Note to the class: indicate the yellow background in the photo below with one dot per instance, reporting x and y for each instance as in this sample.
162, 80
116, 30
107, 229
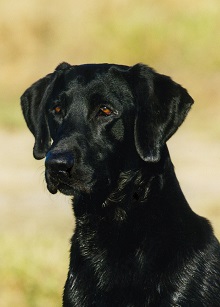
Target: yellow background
177, 38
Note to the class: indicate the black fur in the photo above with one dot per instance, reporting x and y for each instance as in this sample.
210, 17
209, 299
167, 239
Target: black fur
137, 242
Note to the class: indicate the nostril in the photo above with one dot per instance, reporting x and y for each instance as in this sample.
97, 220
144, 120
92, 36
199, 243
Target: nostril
59, 161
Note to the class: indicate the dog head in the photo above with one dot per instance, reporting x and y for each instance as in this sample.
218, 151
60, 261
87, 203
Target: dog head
94, 121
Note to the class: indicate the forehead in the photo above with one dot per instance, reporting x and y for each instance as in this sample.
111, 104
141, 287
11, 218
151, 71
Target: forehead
91, 79
88, 73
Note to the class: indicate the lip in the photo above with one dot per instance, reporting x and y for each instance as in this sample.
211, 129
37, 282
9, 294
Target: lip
52, 188
63, 188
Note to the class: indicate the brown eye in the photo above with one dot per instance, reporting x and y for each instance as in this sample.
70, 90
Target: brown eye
105, 111
57, 109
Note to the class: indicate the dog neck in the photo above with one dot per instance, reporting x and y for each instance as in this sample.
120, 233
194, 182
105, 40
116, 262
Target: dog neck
142, 186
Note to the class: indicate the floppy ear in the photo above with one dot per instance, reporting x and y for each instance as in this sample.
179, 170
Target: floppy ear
32, 104
162, 106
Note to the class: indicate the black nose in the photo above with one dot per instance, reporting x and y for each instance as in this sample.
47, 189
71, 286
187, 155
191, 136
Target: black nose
59, 161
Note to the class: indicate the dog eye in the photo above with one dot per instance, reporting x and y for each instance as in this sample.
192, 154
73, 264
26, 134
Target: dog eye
57, 109
104, 111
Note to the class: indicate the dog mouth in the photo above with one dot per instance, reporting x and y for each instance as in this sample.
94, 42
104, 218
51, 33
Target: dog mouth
65, 184
63, 188
58, 182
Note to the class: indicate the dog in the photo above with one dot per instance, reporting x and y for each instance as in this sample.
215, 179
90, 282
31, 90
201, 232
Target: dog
103, 129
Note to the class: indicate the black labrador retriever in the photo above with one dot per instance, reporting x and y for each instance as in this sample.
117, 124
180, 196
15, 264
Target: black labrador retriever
137, 242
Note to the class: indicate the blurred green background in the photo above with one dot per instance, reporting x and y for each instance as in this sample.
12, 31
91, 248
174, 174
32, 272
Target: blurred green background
177, 38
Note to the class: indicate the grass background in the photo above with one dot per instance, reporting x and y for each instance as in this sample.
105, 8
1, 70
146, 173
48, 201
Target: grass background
177, 38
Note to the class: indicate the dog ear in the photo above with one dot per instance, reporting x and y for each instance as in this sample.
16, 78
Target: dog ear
32, 104
162, 106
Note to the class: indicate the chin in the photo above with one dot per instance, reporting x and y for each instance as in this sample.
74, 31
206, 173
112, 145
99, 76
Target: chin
69, 191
